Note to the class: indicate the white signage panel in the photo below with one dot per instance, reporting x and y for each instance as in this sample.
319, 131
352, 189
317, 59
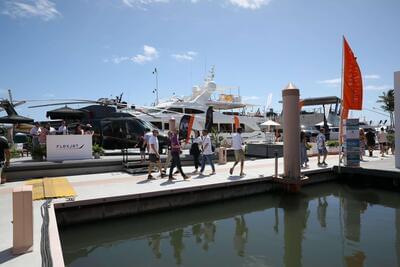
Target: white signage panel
397, 116
68, 147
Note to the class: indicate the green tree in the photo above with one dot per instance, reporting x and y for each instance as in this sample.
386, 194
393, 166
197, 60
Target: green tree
387, 103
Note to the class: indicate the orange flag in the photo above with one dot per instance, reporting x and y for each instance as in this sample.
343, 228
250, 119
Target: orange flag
352, 81
237, 122
191, 121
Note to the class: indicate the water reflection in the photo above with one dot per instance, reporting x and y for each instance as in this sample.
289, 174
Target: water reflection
240, 238
337, 220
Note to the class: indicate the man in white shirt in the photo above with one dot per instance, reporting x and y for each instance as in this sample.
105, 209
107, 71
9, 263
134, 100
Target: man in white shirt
154, 156
382, 139
147, 136
35, 132
207, 153
63, 128
237, 142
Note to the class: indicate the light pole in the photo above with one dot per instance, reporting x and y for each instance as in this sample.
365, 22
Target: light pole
156, 89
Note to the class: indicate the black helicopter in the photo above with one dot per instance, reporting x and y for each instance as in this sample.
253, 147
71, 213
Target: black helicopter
8, 105
113, 129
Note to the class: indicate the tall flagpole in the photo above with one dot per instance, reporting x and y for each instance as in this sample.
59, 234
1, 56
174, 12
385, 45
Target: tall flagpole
341, 109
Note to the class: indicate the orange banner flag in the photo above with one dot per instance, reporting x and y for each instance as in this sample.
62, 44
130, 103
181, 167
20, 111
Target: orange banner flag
352, 80
191, 121
237, 122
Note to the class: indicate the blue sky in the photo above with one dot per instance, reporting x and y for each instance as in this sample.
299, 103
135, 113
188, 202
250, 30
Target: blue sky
91, 49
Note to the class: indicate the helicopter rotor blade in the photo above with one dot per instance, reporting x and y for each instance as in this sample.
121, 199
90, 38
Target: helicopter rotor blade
63, 103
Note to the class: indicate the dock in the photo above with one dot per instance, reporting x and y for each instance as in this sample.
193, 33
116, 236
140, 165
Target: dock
114, 194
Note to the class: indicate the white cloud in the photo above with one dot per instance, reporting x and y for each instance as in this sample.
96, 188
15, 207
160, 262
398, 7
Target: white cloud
138, 3
190, 55
372, 77
330, 82
44, 9
248, 98
250, 4
118, 60
149, 54
378, 87
246, 4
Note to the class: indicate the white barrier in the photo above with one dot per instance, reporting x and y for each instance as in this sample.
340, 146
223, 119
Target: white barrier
68, 147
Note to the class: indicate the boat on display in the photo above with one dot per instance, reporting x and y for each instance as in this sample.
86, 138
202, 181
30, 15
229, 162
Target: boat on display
227, 108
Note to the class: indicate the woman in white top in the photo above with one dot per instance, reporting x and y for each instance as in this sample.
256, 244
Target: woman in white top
207, 153
382, 139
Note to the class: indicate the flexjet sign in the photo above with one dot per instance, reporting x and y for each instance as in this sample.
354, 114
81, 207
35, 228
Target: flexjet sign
69, 147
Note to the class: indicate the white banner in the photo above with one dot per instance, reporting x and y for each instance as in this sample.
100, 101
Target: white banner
68, 147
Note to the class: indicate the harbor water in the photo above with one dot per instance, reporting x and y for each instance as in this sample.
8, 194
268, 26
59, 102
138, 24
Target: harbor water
324, 225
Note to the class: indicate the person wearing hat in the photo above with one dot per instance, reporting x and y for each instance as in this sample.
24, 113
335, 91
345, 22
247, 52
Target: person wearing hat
89, 129
4, 154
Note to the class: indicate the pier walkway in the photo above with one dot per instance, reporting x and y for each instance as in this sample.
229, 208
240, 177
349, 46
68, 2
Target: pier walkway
104, 186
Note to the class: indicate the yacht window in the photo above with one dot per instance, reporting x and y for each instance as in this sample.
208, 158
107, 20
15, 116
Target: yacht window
193, 111
225, 127
166, 126
179, 110
158, 124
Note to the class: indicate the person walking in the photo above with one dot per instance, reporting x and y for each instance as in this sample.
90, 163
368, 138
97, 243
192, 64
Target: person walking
175, 153
370, 136
321, 145
382, 139
195, 151
237, 142
142, 148
154, 156
208, 153
362, 144
5, 154
303, 150
169, 155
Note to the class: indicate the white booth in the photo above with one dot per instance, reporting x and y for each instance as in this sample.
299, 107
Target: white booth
68, 147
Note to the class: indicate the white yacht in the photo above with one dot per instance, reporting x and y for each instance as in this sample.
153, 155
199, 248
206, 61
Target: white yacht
225, 105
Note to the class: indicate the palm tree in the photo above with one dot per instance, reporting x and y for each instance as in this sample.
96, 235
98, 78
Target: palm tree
387, 100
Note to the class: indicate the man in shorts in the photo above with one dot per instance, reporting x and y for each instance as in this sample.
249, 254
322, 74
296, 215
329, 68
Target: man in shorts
237, 142
154, 156
322, 151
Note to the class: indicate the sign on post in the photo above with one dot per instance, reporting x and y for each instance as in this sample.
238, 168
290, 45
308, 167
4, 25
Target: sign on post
351, 154
68, 147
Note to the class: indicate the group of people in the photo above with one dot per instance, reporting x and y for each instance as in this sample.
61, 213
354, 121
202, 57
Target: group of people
368, 140
202, 151
39, 132
321, 147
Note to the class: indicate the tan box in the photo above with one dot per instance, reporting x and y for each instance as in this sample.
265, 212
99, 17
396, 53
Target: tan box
22, 220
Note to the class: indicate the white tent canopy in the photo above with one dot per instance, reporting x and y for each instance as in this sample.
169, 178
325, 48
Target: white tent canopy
322, 124
270, 123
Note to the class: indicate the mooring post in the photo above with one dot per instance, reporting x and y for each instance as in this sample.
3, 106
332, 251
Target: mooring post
397, 117
22, 219
291, 136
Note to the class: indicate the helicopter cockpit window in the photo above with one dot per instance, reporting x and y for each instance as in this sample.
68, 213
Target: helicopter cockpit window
107, 128
133, 127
